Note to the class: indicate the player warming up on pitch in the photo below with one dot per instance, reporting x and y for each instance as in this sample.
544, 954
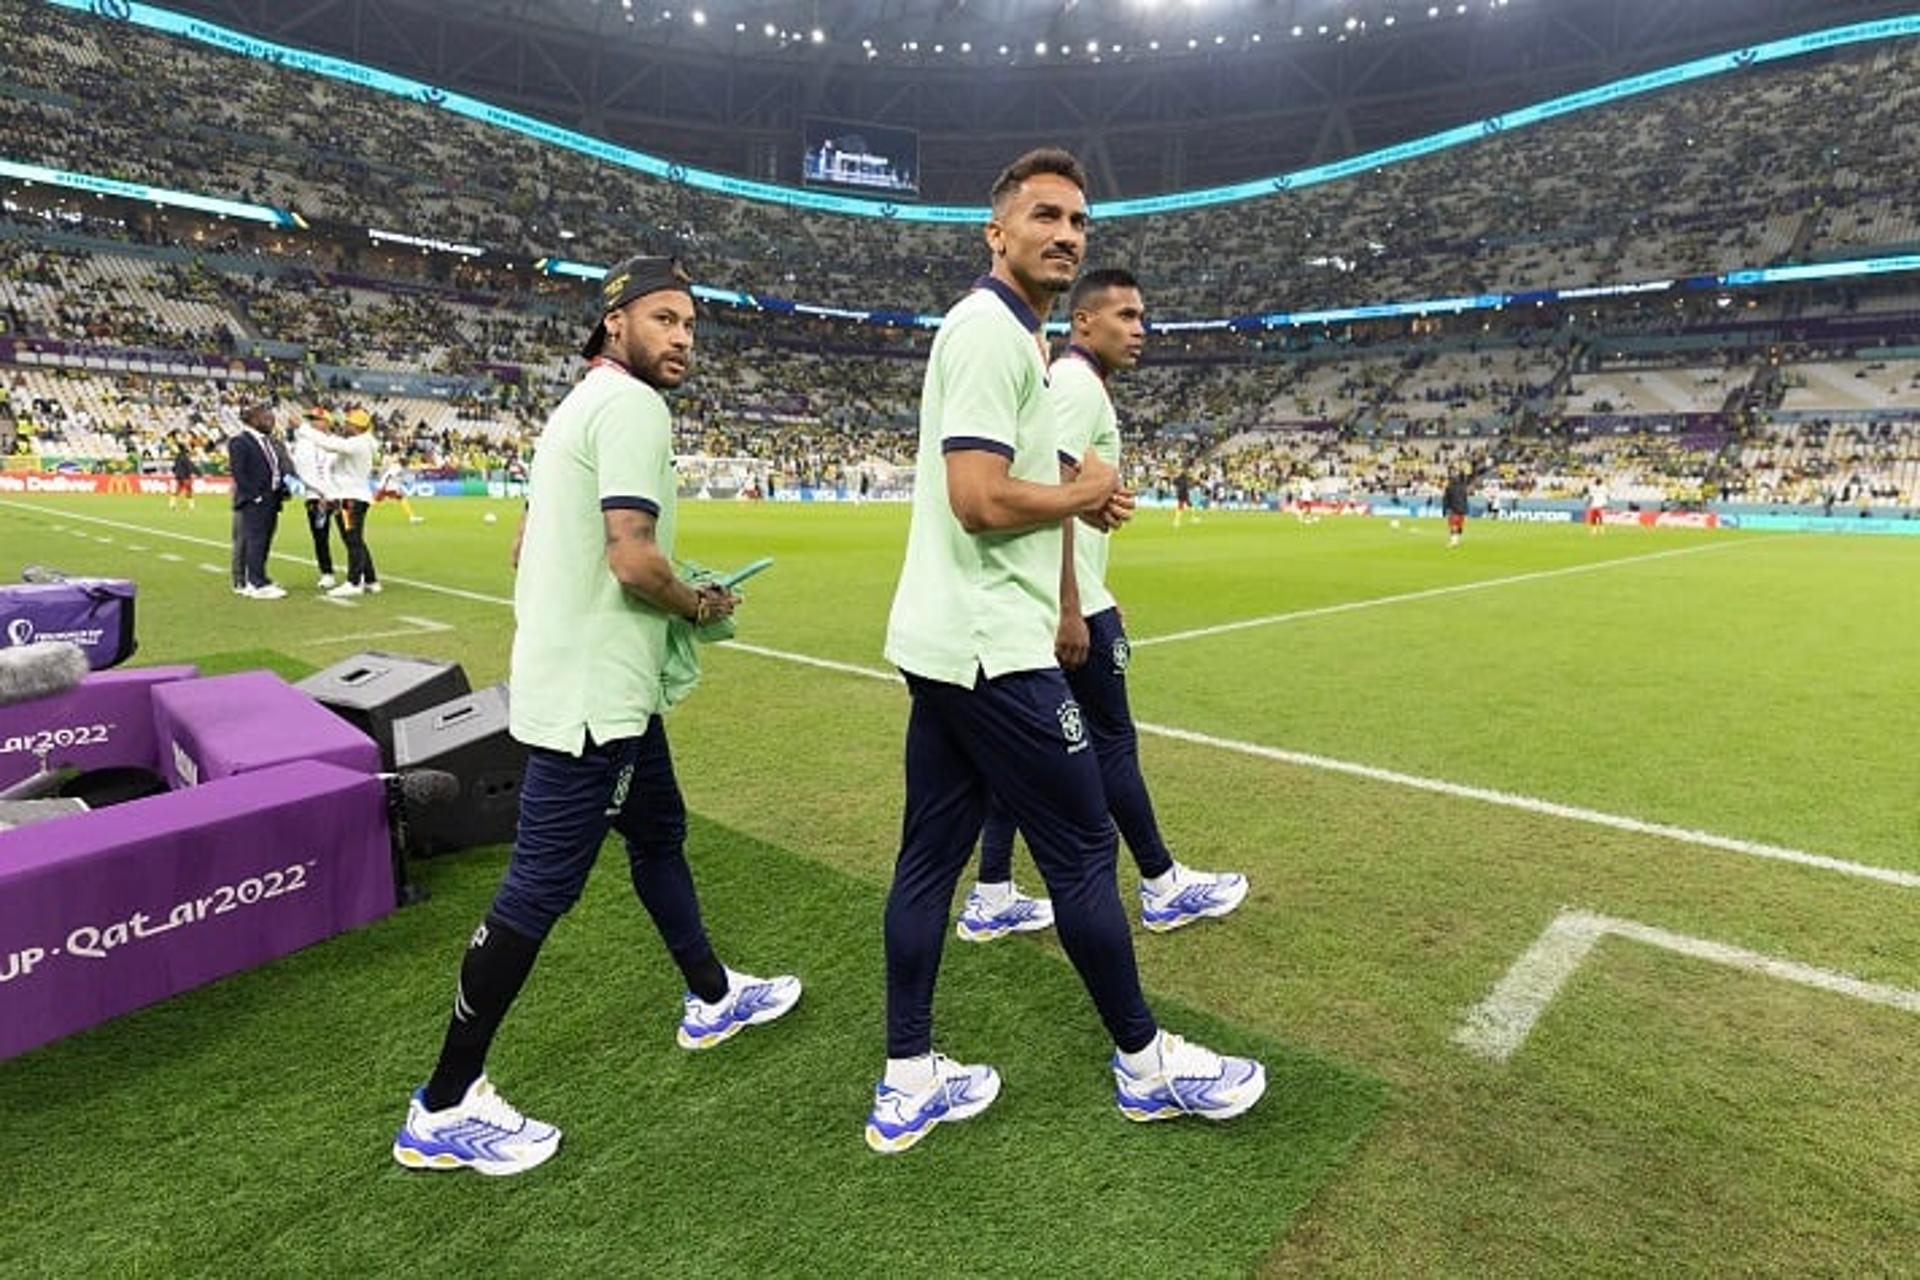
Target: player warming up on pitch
1108, 325
972, 630
593, 600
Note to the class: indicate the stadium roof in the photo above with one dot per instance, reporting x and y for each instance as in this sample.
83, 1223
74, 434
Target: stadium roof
1156, 95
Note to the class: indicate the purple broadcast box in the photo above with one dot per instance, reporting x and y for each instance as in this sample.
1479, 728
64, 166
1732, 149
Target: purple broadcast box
226, 725
106, 912
94, 613
107, 721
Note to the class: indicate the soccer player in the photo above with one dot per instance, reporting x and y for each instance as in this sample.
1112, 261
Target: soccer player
392, 487
594, 597
1183, 498
1454, 504
184, 470
972, 630
1596, 507
1108, 318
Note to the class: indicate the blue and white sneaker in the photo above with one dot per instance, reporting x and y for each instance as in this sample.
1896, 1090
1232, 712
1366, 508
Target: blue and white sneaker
958, 1092
987, 918
1190, 895
1191, 1081
481, 1132
749, 1002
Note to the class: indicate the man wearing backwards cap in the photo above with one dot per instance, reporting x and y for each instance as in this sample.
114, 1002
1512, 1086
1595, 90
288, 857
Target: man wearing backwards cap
592, 602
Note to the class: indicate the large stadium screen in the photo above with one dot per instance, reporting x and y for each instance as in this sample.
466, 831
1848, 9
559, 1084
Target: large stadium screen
866, 157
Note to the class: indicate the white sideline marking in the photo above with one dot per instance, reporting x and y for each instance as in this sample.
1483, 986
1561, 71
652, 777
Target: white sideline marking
1549, 808
1406, 597
135, 546
339, 604
1458, 791
418, 627
1497, 1026
103, 538
1483, 795
168, 555
435, 587
212, 568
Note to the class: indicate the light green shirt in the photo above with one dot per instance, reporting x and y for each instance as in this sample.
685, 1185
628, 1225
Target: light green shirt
1084, 413
587, 655
970, 602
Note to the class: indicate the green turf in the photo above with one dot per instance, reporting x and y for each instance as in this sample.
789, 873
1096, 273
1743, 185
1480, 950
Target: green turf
1667, 1116
243, 1130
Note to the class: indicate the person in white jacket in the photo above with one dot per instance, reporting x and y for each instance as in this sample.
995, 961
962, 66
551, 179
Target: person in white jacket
351, 475
314, 467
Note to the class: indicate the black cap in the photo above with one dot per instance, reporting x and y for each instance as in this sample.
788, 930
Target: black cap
635, 278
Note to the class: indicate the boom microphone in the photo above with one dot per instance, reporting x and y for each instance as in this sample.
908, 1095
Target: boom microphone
40, 670
40, 573
407, 791
421, 788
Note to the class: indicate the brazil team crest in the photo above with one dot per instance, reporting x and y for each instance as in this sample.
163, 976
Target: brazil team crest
1071, 726
1122, 655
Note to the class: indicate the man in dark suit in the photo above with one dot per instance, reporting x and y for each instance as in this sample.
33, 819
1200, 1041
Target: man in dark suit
259, 466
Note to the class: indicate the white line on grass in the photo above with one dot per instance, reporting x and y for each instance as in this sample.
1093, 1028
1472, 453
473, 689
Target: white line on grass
1483, 795
338, 604
1431, 593
168, 555
204, 567
480, 596
1497, 1026
419, 627
1549, 808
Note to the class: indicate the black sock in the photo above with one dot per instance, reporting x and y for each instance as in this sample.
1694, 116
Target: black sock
706, 976
496, 965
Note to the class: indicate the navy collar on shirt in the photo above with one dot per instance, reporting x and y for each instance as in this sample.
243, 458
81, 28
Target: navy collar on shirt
1015, 303
1099, 365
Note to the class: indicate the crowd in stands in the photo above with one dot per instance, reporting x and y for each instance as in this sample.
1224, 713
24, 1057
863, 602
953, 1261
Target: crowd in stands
1533, 405
1699, 178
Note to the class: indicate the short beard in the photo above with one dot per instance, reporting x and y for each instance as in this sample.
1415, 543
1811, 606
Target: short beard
648, 371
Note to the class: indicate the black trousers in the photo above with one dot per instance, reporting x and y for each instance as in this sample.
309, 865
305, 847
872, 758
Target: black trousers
352, 515
258, 520
319, 522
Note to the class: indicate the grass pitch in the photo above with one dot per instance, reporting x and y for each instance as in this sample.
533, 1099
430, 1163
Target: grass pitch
1666, 1115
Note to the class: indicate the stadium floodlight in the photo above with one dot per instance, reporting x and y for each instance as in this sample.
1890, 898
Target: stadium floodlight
1388, 20
1040, 47
769, 30
699, 17
966, 46
1352, 23
739, 26
1154, 45
1219, 39
1256, 37
818, 36
1093, 46
1192, 43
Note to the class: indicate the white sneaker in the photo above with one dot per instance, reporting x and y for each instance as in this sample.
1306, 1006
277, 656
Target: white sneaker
481, 1132
325, 583
749, 1002
373, 588
958, 1092
1190, 895
985, 918
344, 590
272, 591
416, 519
1191, 1080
